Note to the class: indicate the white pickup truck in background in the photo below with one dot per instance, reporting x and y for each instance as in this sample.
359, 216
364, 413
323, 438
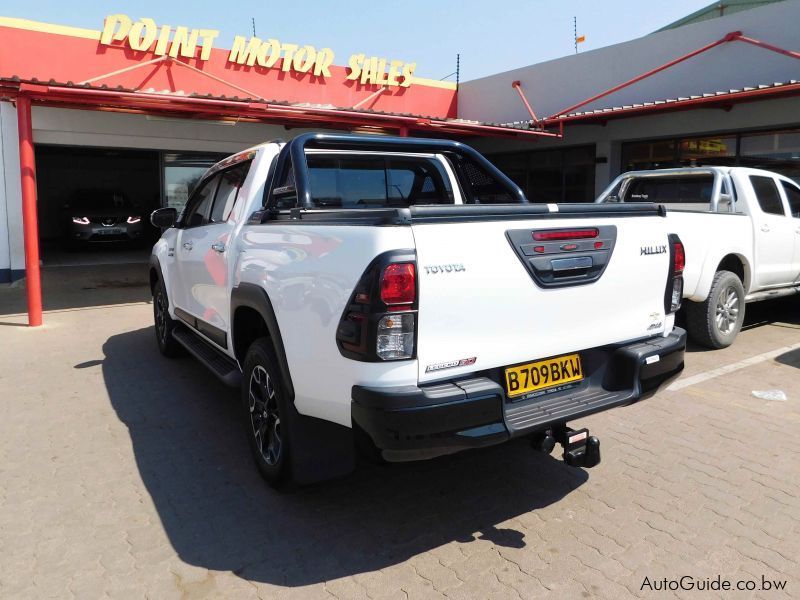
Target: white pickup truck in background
401, 295
741, 231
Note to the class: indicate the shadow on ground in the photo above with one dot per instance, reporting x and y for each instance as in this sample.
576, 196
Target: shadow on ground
791, 358
218, 514
76, 287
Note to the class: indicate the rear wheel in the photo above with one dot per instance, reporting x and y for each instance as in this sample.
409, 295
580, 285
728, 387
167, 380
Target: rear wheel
164, 324
716, 322
265, 412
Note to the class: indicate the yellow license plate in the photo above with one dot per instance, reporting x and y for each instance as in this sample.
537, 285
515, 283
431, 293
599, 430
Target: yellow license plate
542, 374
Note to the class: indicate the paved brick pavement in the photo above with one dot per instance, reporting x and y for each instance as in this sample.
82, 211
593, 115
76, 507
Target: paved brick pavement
125, 475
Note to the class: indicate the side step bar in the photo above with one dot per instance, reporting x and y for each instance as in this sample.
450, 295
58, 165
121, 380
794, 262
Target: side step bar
222, 366
770, 294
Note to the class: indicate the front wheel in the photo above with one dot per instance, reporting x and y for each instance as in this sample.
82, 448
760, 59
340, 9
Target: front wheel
164, 324
265, 411
716, 322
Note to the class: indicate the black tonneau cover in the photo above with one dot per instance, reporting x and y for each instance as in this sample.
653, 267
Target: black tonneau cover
456, 213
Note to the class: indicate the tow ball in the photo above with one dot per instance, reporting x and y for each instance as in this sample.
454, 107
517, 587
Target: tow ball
580, 448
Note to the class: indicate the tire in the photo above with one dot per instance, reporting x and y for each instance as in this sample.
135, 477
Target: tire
265, 412
715, 322
164, 324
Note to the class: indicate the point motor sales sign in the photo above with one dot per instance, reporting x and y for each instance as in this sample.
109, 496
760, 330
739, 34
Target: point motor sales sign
165, 40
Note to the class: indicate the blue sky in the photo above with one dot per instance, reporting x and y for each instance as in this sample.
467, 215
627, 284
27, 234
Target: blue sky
491, 35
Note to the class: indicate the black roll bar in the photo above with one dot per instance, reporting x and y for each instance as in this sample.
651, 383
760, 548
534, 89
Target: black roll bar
295, 150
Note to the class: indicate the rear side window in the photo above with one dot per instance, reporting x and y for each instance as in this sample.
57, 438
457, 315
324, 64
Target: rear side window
696, 189
767, 194
341, 181
230, 183
481, 186
793, 196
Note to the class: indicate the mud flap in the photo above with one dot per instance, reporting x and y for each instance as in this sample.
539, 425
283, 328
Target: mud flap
320, 450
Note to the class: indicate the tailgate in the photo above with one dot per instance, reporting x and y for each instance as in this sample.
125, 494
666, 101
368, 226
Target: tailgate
490, 295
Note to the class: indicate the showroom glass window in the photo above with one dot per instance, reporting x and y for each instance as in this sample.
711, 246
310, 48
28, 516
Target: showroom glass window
562, 175
777, 151
182, 172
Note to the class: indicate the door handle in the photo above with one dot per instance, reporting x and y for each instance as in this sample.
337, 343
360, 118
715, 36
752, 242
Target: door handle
188, 245
218, 246
765, 228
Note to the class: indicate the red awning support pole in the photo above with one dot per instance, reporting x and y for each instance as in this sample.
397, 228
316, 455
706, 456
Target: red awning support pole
30, 228
734, 35
373, 96
518, 86
767, 46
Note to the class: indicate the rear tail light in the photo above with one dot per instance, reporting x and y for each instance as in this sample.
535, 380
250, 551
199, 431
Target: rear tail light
399, 284
379, 323
674, 293
678, 258
565, 234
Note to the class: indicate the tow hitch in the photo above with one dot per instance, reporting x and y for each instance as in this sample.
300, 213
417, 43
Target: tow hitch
580, 448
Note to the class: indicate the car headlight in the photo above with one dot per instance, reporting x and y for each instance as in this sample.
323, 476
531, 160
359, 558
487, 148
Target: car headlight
80, 220
133, 220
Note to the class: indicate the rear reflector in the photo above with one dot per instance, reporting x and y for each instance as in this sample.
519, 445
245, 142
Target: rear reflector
399, 284
572, 234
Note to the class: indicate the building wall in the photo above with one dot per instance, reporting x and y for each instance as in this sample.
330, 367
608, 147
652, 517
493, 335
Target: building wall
770, 114
104, 129
12, 257
557, 84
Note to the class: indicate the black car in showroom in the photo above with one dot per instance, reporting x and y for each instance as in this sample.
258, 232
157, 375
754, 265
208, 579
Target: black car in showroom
96, 215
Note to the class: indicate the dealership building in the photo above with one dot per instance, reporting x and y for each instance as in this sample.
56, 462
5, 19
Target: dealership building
135, 111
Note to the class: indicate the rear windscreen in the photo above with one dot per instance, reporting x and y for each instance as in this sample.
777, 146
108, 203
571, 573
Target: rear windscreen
677, 190
365, 181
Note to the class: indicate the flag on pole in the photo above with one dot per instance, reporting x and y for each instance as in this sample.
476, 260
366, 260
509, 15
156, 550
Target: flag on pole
580, 39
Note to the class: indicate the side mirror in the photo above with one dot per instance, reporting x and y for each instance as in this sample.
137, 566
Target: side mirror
164, 217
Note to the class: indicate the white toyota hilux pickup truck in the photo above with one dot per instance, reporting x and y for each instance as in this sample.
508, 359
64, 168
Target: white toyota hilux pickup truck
741, 231
402, 297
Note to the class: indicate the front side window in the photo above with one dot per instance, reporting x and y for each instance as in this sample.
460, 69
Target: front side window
767, 194
793, 196
230, 183
196, 211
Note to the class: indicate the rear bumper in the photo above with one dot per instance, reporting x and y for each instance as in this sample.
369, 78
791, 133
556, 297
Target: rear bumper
411, 422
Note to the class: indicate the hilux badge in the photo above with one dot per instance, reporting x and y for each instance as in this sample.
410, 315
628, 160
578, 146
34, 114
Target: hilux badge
654, 249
